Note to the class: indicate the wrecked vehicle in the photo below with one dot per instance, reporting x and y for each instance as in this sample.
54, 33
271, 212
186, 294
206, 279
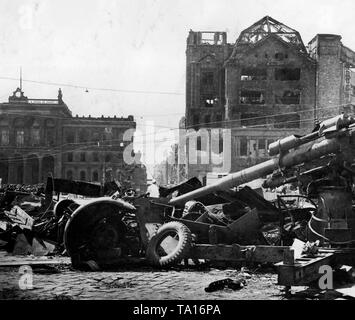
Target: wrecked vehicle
246, 227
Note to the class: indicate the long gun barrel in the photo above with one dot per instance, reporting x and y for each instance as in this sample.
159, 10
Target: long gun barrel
312, 150
290, 142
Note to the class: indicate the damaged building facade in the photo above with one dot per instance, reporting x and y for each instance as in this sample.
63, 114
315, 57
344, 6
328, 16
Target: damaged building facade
41, 137
266, 85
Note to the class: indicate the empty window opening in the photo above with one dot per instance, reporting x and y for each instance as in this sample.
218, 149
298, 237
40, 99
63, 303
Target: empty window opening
216, 38
286, 121
218, 118
207, 78
262, 150
252, 148
288, 97
249, 74
243, 147
70, 157
252, 97
209, 101
288, 74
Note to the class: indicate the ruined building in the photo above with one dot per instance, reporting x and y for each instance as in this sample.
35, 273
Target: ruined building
40, 137
266, 85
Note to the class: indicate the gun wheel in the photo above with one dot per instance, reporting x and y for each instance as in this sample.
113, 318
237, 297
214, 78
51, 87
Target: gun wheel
169, 245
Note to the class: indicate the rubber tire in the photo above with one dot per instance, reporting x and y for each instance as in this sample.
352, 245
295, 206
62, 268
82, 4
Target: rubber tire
181, 250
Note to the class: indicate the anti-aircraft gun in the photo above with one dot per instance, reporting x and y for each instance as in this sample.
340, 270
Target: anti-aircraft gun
321, 163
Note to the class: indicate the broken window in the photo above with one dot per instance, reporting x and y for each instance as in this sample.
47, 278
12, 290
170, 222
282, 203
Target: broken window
288, 97
82, 157
262, 150
249, 74
252, 148
209, 101
243, 151
70, 157
211, 38
5, 137
207, 78
285, 121
251, 97
287, 74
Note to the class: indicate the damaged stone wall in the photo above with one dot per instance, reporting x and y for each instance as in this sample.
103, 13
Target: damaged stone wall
270, 94
333, 74
266, 86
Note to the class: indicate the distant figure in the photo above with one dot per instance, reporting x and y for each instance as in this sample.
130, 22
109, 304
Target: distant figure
153, 190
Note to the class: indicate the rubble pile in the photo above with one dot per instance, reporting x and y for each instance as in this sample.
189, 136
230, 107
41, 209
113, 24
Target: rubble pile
27, 224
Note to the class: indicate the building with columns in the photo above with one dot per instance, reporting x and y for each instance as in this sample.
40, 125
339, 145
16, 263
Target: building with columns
41, 137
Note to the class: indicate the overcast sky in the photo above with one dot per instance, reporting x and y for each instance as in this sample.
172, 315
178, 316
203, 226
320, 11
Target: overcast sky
135, 45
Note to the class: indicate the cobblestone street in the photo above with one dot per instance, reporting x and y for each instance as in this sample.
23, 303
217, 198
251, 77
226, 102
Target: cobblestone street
141, 283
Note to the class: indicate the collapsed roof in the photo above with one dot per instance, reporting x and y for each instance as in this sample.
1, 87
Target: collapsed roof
266, 27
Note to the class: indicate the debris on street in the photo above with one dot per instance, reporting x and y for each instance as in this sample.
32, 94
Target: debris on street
227, 223
236, 284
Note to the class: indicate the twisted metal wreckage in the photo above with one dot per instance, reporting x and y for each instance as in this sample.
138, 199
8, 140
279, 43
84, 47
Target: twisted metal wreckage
222, 222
